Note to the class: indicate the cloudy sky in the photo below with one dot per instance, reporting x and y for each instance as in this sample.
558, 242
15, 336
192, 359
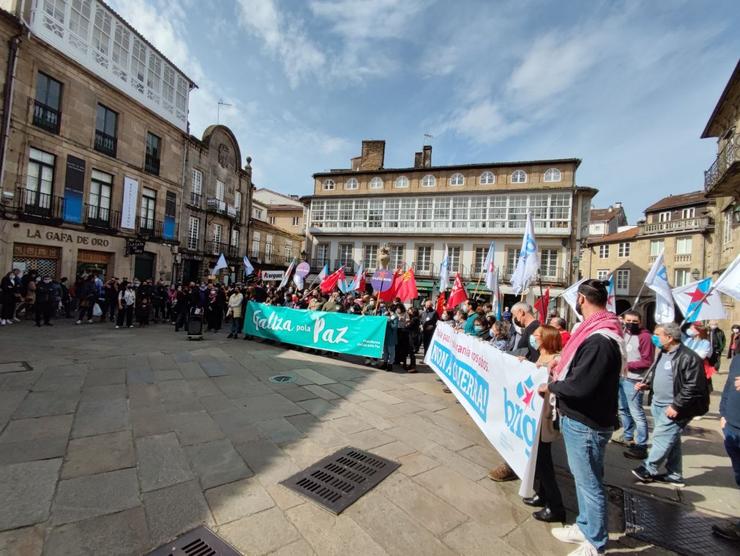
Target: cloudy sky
625, 86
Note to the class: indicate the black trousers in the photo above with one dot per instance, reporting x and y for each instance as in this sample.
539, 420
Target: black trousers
8, 308
182, 320
546, 485
427, 337
127, 313
43, 311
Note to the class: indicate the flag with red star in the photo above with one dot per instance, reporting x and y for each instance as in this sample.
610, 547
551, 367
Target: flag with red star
699, 301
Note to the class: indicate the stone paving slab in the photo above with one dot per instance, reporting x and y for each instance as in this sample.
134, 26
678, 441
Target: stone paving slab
239, 499
216, 463
173, 510
161, 462
98, 454
26, 491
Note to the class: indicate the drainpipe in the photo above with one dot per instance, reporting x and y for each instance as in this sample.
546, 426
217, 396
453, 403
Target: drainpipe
8, 91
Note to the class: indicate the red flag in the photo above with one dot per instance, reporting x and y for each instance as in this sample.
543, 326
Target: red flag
458, 293
407, 286
330, 282
542, 304
440, 304
390, 294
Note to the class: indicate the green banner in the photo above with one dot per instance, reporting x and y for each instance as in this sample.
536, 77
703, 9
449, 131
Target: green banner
339, 332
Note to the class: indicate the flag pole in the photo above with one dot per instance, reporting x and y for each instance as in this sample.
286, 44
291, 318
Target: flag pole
542, 295
639, 293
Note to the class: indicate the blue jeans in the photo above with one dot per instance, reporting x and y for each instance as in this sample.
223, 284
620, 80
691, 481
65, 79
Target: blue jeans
666, 448
631, 413
389, 353
236, 325
732, 445
586, 447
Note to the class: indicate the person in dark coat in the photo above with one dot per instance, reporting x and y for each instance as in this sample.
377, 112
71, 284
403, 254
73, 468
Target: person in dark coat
181, 307
429, 319
8, 298
44, 301
87, 295
414, 331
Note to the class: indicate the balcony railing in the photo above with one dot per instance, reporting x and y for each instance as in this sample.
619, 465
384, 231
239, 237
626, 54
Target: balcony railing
105, 143
273, 258
725, 165
195, 200
217, 247
151, 164
219, 206
676, 226
683, 258
155, 230
46, 117
33, 204
101, 218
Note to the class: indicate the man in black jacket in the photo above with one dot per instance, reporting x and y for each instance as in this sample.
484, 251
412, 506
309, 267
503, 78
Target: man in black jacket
680, 392
428, 323
44, 301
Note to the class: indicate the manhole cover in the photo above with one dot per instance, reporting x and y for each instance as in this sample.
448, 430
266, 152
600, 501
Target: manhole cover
15, 367
339, 480
201, 541
282, 379
671, 526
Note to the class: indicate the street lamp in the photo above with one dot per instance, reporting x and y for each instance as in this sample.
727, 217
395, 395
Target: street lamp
695, 274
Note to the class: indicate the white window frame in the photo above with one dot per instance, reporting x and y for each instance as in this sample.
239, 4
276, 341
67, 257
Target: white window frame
296, 221
351, 184
256, 238
682, 243
685, 277
456, 179
376, 183
487, 178
235, 238
519, 176
549, 263
552, 175
428, 181
622, 281
329, 185
193, 232
401, 182
624, 249
604, 251
218, 233
664, 216
602, 274
689, 212
727, 226
220, 190
196, 182
657, 246
424, 258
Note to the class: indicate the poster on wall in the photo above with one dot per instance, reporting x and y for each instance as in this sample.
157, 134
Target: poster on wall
130, 196
74, 187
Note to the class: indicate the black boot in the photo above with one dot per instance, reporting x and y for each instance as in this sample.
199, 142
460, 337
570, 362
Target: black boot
549, 516
535, 501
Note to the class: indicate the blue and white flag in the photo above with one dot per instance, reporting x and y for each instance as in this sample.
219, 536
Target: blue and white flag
570, 296
324, 273
490, 269
611, 301
221, 263
699, 301
286, 277
529, 261
248, 268
444, 271
729, 281
657, 280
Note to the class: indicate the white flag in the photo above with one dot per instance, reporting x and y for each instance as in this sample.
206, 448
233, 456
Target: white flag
529, 261
286, 276
248, 268
298, 281
611, 301
699, 301
444, 271
490, 269
571, 295
729, 282
657, 280
221, 263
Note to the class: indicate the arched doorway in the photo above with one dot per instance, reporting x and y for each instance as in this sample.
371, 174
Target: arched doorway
650, 315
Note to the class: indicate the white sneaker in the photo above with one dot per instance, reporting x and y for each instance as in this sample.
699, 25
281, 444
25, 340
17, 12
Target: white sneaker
79, 322
16, 319
117, 327
586, 549
569, 533
9, 322
89, 321
131, 326
2, 322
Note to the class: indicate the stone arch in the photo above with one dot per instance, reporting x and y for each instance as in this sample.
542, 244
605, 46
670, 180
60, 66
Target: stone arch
209, 133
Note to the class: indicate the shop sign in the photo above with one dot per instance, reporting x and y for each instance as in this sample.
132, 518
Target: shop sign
135, 246
64, 237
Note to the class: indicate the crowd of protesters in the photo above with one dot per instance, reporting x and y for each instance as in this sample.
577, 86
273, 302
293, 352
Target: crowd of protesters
599, 370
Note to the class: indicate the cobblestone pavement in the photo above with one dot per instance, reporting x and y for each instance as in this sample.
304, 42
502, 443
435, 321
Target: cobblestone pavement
115, 441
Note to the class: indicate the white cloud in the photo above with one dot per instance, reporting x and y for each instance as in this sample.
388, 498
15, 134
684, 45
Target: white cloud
369, 20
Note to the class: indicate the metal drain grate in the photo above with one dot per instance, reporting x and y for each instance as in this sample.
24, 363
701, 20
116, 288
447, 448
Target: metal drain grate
282, 379
339, 480
673, 527
201, 541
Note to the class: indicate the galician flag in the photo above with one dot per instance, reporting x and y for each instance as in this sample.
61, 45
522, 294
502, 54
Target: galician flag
286, 277
358, 282
248, 268
699, 301
571, 295
324, 273
490, 279
611, 301
444, 271
221, 263
657, 280
529, 262
729, 282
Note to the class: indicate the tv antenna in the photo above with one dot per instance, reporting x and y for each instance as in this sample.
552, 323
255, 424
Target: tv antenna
218, 112
428, 138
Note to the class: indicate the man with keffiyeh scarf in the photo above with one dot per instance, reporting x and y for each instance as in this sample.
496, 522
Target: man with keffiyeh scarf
585, 384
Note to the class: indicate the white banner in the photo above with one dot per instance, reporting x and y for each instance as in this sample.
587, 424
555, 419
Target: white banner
130, 199
498, 391
272, 275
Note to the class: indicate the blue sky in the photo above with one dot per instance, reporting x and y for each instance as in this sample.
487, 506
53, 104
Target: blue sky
625, 86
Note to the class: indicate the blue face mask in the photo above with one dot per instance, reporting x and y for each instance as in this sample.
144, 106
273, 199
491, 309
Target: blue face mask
656, 341
533, 343
478, 328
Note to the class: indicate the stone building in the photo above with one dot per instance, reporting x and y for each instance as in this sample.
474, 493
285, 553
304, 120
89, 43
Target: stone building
418, 210
94, 127
682, 226
722, 181
284, 211
271, 247
606, 221
215, 213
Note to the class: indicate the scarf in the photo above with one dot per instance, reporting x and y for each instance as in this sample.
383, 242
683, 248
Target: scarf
602, 322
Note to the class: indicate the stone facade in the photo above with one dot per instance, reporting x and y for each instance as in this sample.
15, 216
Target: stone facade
283, 211
271, 247
418, 211
216, 204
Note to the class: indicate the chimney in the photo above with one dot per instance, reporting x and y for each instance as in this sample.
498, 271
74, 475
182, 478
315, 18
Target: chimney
618, 205
427, 156
356, 163
373, 155
418, 160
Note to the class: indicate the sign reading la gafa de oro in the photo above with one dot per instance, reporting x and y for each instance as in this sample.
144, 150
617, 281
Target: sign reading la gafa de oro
65, 237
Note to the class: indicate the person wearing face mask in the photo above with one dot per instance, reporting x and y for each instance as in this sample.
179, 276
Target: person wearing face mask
734, 345
44, 301
640, 353
471, 314
697, 339
499, 334
10, 292
479, 329
391, 339
585, 382
680, 393
428, 323
717, 344
523, 318
126, 303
